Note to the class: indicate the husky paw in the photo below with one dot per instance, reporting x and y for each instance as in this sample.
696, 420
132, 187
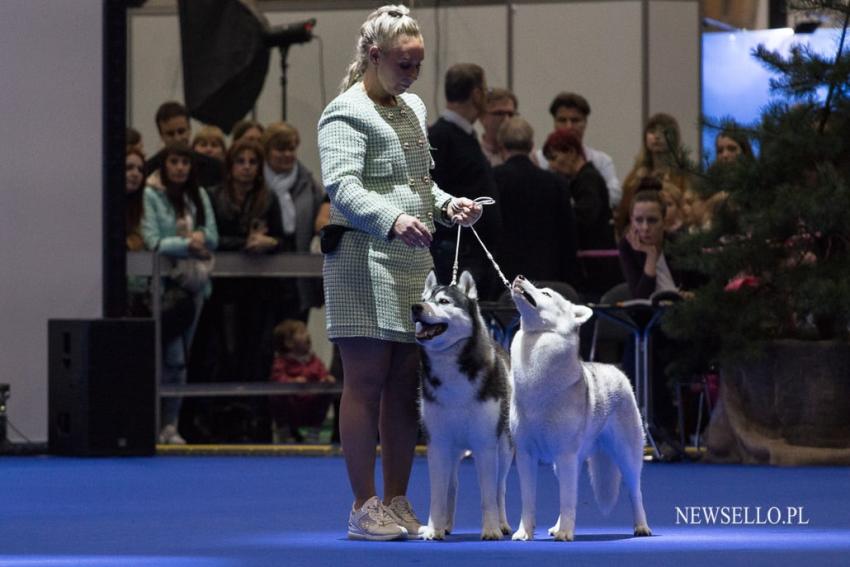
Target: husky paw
642, 531
554, 529
490, 534
563, 535
505, 527
429, 533
522, 535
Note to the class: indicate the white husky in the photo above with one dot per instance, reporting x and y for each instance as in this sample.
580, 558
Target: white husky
465, 401
564, 411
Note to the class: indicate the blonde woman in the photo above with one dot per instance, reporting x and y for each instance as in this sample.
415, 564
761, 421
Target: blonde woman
375, 165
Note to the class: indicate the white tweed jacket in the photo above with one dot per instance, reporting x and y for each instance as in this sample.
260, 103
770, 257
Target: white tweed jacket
365, 169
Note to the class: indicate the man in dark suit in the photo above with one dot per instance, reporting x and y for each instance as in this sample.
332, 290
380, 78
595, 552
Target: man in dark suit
539, 237
172, 121
462, 169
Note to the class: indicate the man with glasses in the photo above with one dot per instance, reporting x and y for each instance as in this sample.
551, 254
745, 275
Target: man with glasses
501, 105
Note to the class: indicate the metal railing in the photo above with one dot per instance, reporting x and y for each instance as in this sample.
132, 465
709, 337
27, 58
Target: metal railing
237, 264
284, 265
227, 265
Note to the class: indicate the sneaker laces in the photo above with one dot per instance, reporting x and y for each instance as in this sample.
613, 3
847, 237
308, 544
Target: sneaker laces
378, 512
401, 507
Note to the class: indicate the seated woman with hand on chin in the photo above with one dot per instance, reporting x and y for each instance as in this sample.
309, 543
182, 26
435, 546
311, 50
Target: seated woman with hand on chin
642, 258
647, 271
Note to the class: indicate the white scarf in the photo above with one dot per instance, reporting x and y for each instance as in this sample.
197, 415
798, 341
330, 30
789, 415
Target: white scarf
282, 184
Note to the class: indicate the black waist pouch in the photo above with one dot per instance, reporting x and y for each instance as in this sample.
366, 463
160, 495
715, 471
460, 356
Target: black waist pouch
330, 236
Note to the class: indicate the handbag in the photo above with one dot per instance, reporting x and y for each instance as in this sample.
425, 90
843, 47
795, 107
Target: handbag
192, 274
186, 278
330, 236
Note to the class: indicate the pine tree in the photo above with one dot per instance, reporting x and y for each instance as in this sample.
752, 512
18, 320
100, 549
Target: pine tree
782, 231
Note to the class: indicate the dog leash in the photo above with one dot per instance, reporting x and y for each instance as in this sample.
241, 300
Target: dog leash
481, 201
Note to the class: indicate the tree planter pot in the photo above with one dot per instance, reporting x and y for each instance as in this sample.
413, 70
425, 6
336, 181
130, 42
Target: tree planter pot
788, 407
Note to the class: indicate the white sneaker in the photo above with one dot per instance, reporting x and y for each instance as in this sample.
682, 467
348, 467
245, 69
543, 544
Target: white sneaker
402, 512
170, 436
372, 522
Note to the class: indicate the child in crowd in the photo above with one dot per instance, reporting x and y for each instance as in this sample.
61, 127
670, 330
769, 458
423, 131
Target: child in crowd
210, 141
296, 363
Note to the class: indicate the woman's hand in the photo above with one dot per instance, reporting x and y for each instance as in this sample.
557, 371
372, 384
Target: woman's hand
463, 211
197, 245
258, 242
652, 250
412, 231
198, 251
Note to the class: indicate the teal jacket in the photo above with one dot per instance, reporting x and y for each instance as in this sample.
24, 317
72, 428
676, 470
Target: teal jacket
159, 226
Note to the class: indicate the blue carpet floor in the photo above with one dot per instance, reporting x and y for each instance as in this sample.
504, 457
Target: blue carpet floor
227, 511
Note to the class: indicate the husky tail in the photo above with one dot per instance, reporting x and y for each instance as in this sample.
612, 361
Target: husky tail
605, 478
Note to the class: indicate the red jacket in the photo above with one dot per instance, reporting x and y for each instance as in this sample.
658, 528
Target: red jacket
286, 369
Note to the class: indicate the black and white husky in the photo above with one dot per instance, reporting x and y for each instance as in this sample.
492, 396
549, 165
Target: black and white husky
465, 404
565, 411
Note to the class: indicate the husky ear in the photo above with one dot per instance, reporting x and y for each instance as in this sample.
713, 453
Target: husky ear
582, 314
430, 284
467, 285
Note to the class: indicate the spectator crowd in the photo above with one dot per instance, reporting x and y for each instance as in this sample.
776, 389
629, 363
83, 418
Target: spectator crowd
561, 214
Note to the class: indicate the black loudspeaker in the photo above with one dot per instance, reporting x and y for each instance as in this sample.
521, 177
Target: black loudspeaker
101, 388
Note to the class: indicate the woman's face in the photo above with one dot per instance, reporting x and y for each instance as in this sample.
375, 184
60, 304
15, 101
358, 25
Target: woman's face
246, 167
673, 213
210, 148
177, 169
564, 162
728, 150
398, 65
282, 159
252, 134
134, 172
655, 141
647, 222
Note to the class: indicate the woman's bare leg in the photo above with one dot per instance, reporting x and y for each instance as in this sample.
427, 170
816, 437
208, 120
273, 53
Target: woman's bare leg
366, 363
399, 423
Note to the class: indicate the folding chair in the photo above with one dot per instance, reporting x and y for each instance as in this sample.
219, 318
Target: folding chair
607, 331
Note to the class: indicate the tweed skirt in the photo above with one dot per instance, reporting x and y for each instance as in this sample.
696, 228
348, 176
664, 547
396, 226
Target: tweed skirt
370, 285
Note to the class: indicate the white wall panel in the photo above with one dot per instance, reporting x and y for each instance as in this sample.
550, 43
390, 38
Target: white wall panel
155, 72
674, 65
50, 188
592, 48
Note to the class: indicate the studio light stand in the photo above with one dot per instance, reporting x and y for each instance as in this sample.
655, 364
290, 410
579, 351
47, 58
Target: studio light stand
283, 38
